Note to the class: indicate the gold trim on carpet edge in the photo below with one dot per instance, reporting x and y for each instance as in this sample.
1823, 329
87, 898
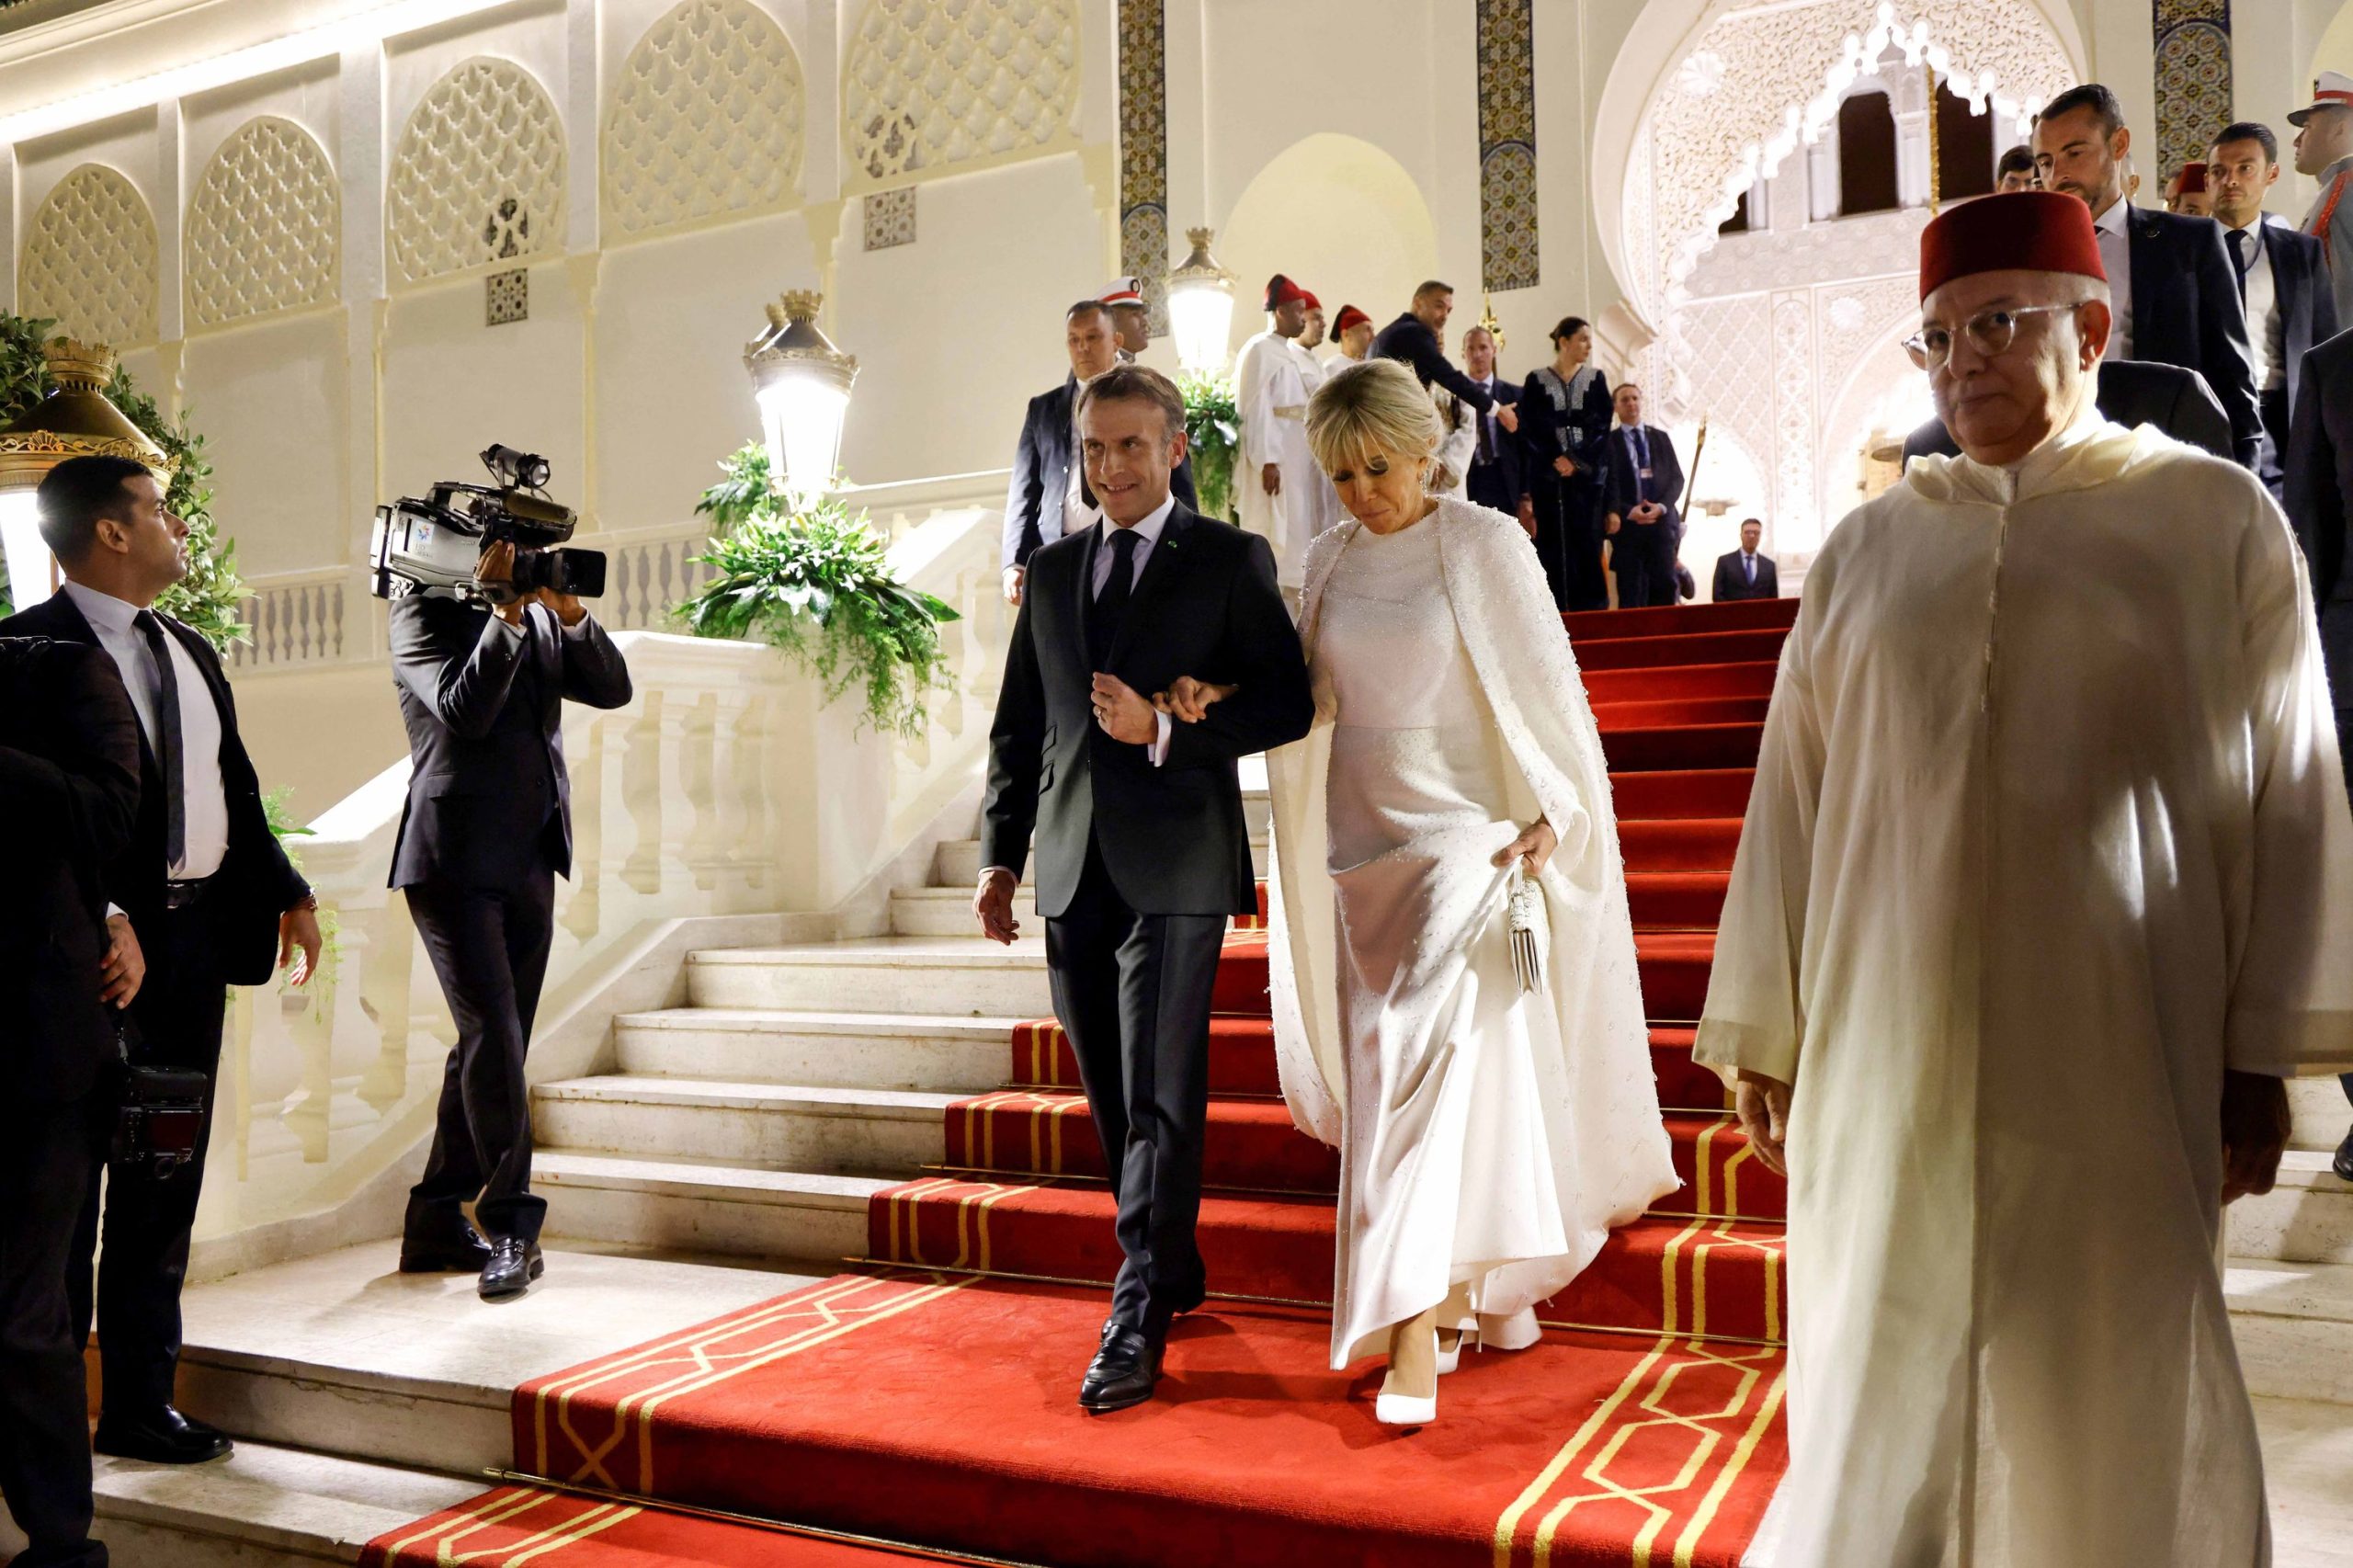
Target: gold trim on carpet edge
1619, 1329
725, 1516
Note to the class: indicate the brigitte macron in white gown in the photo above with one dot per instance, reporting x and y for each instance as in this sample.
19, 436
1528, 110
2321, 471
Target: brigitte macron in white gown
1490, 1136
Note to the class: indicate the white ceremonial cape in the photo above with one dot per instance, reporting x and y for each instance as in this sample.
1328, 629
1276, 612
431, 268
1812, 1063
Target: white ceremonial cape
2048, 830
1266, 378
1618, 1160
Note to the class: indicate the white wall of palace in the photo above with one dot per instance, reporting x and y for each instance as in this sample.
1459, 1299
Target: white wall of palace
286, 214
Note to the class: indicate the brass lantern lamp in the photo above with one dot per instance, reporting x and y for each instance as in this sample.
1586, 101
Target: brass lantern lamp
1200, 307
802, 383
75, 421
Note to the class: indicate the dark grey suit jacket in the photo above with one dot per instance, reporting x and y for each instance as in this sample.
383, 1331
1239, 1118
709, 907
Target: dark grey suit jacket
2175, 401
255, 884
2320, 499
69, 782
2307, 308
1172, 837
2187, 311
1042, 460
488, 795
1732, 583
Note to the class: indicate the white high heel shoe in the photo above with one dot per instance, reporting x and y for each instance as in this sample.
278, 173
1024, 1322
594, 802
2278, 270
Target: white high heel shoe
1448, 1361
1407, 1410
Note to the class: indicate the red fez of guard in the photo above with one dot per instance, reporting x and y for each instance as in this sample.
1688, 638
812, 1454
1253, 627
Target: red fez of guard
2025, 231
2193, 178
1312, 303
1281, 291
1350, 316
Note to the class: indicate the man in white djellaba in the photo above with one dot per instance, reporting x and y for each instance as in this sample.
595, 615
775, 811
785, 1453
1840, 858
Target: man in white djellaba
1274, 474
1321, 496
2046, 882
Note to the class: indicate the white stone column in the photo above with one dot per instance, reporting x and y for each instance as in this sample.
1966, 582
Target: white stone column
1912, 158
1822, 176
1189, 193
10, 188
170, 297
360, 157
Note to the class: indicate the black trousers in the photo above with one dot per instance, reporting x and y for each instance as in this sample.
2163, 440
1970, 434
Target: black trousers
1568, 540
142, 1250
1484, 486
2270, 449
489, 946
1642, 556
1134, 991
49, 1159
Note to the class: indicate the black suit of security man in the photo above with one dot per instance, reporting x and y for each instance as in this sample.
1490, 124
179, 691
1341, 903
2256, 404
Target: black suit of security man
2307, 312
199, 940
2131, 391
68, 780
1733, 582
2187, 311
486, 831
1643, 554
1140, 867
1039, 492
1497, 477
2320, 504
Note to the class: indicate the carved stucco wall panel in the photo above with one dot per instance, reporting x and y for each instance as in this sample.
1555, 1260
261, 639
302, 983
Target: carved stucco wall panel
930, 84
264, 225
1795, 504
477, 175
707, 121
90, 259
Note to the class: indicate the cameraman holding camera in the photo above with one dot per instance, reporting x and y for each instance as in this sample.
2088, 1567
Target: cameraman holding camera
202, 899
487, 829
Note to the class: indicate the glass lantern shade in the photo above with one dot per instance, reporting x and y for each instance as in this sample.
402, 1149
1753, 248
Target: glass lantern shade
31, 570
1200, 308
802, 384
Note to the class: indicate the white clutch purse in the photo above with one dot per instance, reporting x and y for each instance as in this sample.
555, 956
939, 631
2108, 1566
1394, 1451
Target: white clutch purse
1531, 931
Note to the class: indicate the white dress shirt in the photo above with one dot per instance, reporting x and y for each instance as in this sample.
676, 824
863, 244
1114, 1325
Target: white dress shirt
204, 799
2268, 333
2116, 258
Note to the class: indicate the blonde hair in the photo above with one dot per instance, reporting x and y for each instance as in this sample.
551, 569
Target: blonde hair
1375, 406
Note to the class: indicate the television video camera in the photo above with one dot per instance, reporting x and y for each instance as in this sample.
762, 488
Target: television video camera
434, 545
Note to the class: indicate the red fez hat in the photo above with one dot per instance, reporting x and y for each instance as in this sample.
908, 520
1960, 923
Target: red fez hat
1312, 303
1350, 316
2025, 231
1281, 291
2193, 178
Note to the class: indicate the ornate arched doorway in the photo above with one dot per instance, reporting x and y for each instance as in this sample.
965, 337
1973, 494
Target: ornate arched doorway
1776, 334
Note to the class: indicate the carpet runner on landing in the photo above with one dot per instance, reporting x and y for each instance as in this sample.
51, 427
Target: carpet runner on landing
928, 1397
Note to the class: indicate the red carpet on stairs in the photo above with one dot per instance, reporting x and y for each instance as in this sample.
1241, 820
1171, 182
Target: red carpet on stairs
928, 1396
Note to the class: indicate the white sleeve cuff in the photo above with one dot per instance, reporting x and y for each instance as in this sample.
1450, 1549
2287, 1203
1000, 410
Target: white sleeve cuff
578, 630
1159, 747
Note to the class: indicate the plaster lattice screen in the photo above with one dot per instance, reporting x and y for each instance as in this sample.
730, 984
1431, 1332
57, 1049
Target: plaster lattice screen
90, 262
934, 84
264, 225
477, 175
707, 121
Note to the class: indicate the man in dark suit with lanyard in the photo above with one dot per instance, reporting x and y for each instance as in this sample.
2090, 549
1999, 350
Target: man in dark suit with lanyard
1143, 854
203, 899
1642, 500
486, 831
2282, 277
1048, 496
1494, 478
69, 784
2177, 298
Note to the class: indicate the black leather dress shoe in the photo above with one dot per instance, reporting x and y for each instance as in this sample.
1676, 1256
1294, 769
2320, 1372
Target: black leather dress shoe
160, 1437
1123, 1370
2343, 1164
514, 1264
459, 1252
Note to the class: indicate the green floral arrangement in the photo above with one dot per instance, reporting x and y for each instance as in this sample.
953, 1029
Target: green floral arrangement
815, 581
207, 596
1214, 425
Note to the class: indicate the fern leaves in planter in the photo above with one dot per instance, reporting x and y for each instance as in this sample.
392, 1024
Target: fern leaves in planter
817, 584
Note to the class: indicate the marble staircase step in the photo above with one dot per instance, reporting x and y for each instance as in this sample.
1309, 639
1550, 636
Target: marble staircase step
883, 975
879, 1051
343, 1354
2321, 1111
2293, 1322
264, 1506
704, 1206
845, 1131
2307, 1218
957, 863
